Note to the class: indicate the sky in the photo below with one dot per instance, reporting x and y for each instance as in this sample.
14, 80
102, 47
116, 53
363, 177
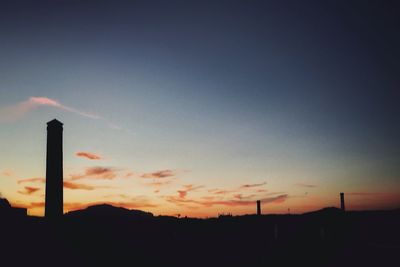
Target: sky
200, 108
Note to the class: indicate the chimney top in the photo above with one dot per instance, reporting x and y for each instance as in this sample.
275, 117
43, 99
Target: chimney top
55, 122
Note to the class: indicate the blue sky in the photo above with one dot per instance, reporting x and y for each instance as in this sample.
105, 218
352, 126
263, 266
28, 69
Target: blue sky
222, 93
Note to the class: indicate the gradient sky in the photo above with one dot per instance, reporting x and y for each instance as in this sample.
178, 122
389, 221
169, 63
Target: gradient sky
199, 108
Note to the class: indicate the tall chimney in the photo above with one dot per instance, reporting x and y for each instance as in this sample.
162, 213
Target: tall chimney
342, 202
54, 170
258, 207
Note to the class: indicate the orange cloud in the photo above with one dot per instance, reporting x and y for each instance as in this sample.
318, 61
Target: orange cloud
187, 188
97, 173
159, 174
158, 183
182, 193
223, 192
32, 205
129, 174
32, 180
88, 155
29, 190
72, 185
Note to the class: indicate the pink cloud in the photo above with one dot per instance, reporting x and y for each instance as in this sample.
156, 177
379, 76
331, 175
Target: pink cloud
44, 101
19, 110
96, 173
88, 155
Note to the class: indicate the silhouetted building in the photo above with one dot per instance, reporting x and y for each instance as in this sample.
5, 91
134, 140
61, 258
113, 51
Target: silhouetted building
258, 207
7, 211
54, 170
342, 202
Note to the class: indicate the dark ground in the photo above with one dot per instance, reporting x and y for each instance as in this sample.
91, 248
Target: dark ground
108, 236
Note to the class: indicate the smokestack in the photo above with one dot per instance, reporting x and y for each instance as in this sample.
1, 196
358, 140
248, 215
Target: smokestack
54, 170
342, 202
258, 207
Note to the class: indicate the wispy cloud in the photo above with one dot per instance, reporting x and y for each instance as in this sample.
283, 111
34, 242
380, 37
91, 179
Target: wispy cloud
8, 173
253, 185
241, 188
187, 188
96, 173
230, 202
32, 180
74, 186
306, 185
241, 196
129, 174
28, 190
158, 183
88, 155
19, 110
44, 101
159, 174
67, 184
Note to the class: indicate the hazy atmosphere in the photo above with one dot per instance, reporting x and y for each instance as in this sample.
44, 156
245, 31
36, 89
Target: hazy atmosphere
196, 108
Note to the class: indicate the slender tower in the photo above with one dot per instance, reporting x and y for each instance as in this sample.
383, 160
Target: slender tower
342, 207
258, 207
54, 170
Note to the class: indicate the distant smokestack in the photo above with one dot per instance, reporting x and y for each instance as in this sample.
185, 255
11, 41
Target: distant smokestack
342, 202
258, 207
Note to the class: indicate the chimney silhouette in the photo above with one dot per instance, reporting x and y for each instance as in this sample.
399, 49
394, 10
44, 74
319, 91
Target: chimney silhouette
342, 207
54, 170
258, 207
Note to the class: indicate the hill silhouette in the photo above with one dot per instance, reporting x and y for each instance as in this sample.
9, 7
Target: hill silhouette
107, 210
104, 235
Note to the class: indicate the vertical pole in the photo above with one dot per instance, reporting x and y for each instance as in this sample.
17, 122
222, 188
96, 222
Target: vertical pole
342, 207
258, 207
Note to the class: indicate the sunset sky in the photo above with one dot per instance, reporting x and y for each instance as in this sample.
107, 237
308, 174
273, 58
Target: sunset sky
202, 108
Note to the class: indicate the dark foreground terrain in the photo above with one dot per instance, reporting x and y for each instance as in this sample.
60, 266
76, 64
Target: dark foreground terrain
108, 236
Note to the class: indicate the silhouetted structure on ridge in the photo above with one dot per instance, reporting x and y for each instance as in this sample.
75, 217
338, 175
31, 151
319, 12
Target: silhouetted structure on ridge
258, 207
6, 210
342, 207
54, 170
